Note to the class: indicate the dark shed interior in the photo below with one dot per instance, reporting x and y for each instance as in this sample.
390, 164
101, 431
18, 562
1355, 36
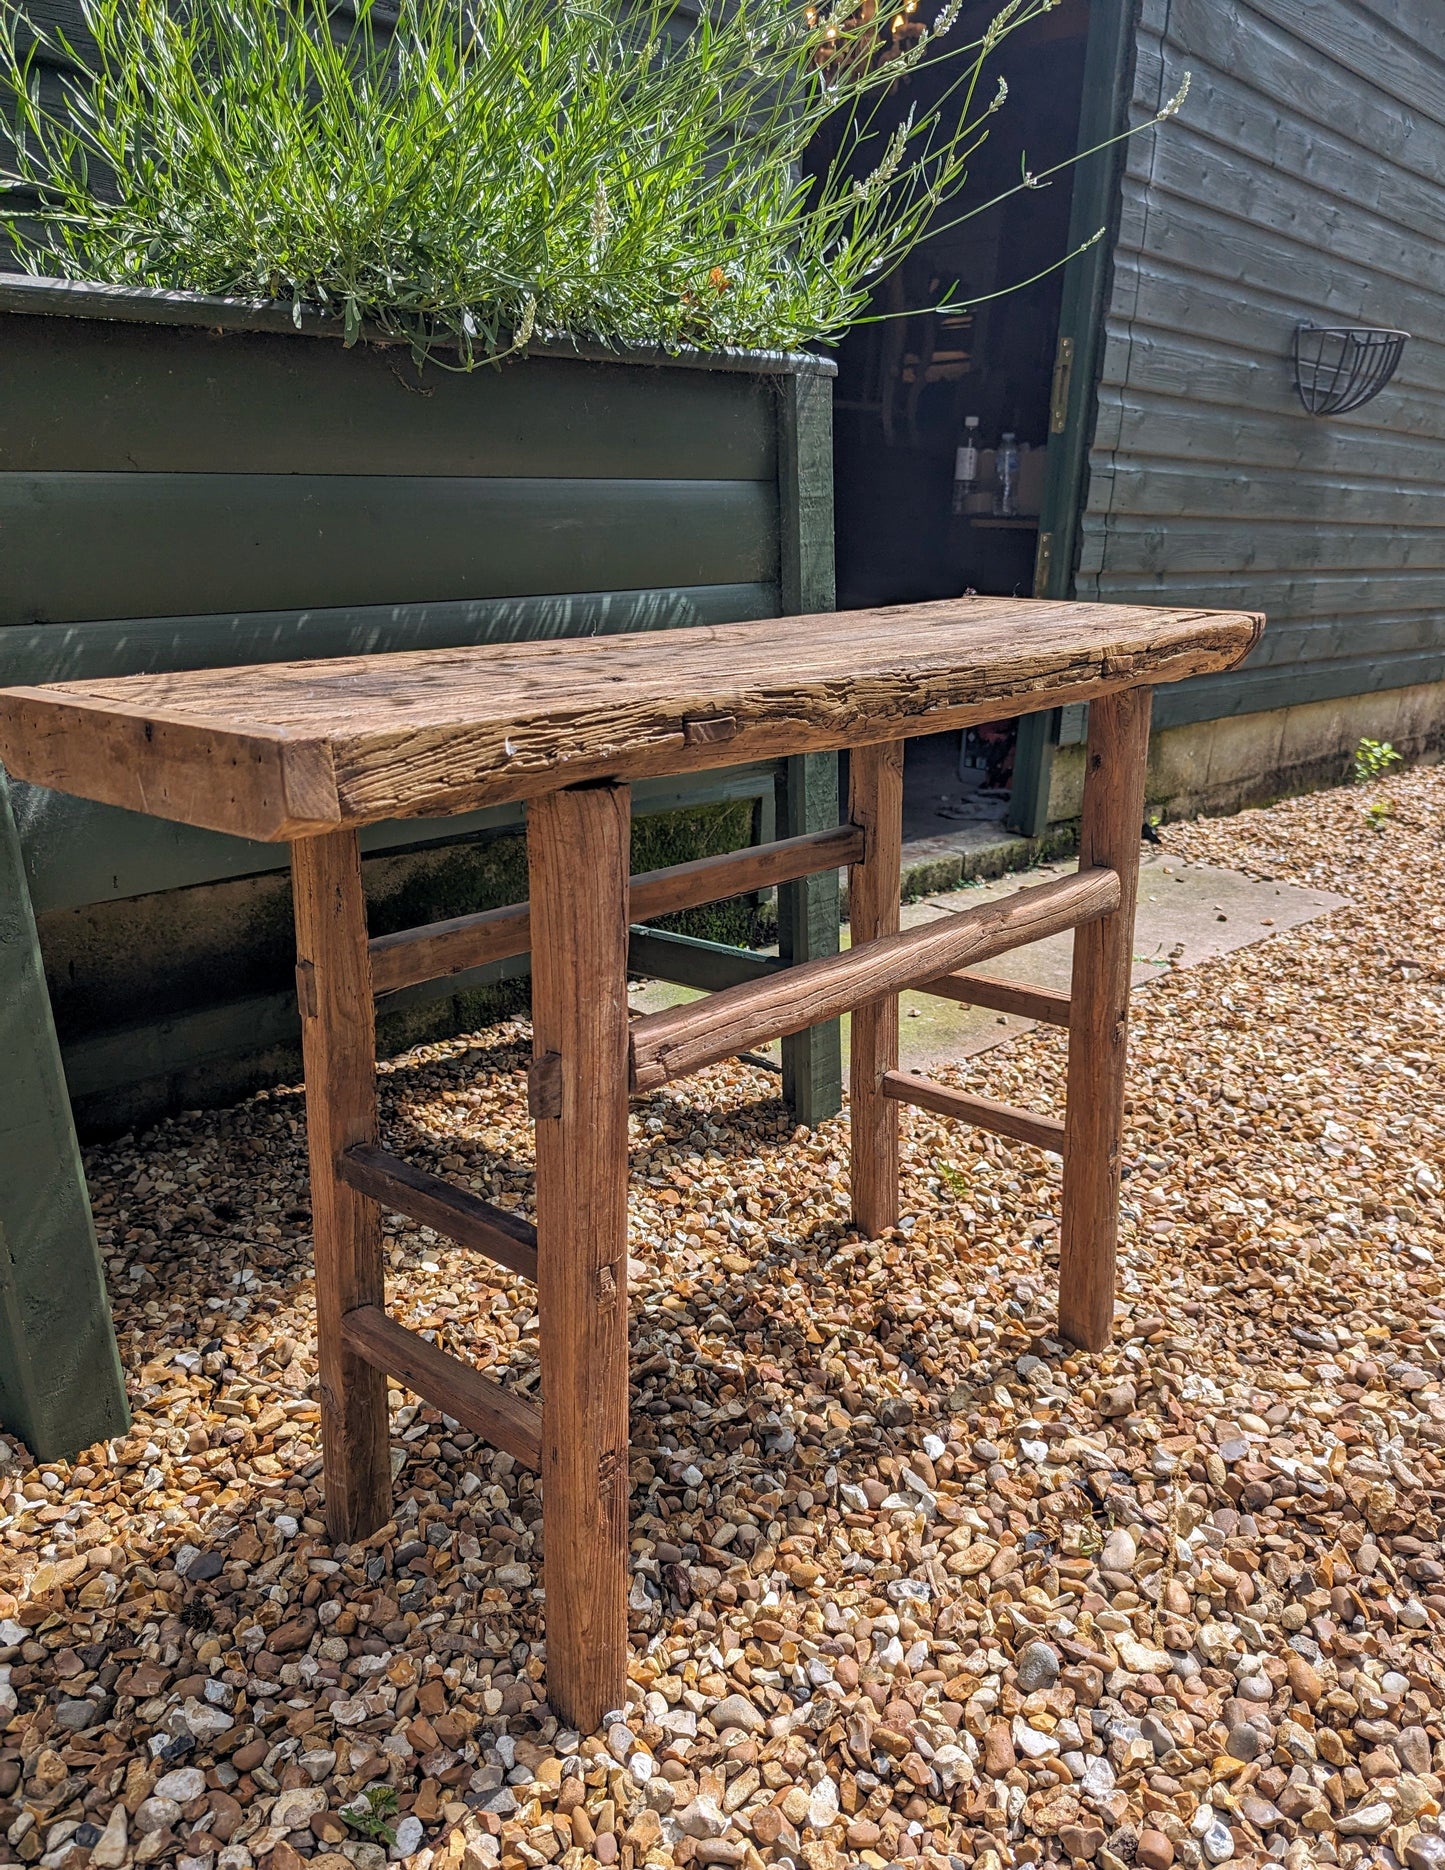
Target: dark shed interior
909, 380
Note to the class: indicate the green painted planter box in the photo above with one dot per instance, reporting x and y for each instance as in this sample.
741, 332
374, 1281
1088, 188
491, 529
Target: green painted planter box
188, 482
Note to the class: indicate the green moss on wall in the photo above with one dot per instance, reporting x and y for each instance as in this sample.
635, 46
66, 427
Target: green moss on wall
146, 969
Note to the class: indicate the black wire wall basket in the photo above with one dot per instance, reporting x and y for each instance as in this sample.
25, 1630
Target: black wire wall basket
1340, 367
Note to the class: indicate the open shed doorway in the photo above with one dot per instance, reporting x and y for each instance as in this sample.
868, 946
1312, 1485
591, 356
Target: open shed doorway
907, 385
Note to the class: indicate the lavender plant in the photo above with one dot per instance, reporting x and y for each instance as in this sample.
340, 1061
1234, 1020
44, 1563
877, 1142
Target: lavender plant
476, 173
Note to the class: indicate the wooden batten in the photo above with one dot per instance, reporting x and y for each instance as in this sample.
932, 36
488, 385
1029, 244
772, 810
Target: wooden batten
437, 949
412, 956
498, 1415
1045, 1004
737, 873
681, 1040
434, 1202
983, 1112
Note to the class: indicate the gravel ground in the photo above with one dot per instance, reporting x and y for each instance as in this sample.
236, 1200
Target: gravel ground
913, 1581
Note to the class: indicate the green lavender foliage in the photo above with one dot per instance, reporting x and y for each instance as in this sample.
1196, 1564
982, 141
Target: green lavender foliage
491, 171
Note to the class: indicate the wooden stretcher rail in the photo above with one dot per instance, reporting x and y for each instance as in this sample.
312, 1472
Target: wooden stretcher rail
505, 1420
1046, 1004
681, 1040
1024, 1126
412, 956
434, 1202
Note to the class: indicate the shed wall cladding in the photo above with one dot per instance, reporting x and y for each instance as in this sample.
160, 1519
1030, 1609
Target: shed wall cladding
1302, 180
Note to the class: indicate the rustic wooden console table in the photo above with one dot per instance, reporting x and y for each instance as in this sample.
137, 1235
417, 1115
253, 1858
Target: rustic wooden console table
307, 752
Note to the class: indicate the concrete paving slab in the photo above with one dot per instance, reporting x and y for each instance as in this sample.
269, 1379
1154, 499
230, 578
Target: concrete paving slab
1188, 914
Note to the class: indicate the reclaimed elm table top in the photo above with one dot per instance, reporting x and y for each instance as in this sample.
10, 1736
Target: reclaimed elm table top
294, 749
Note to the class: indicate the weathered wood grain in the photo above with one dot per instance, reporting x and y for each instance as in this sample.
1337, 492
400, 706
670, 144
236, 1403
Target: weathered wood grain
985, 1113
338, 1042
738, 873
875, 792
432, 1201
1113, 812
497, 1414
681, 1040
439, 948
294, 747
177, 768
1046, 1004
577, 847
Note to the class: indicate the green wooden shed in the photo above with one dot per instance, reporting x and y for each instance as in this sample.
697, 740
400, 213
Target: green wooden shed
1173, 459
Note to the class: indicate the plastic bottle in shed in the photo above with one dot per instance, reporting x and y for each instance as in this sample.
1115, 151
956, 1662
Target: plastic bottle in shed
965, 465
1006, 477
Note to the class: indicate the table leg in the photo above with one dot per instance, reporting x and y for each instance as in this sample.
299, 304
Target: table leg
876, 803
577, 849
808, 928
1109, 834
338, 1037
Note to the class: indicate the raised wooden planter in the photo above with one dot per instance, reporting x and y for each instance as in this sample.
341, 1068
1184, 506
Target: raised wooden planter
192, 483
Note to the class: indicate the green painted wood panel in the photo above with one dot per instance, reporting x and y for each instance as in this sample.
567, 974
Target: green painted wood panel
1316, 143
1258, 284
1289, 596
1141, 428
60, 652
60, 1381
1215, 697
807, 795
147, 400
1170, 545
1302, 181
689, 961
1332, 639
86, 546
1213, 490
